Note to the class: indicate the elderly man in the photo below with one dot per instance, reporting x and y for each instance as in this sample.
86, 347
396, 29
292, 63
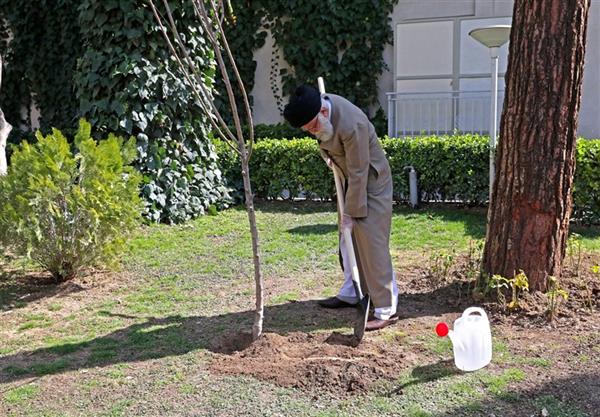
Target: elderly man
348, 139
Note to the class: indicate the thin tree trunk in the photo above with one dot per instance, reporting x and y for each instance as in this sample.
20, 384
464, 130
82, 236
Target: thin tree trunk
257, 327
532, 194
5, 129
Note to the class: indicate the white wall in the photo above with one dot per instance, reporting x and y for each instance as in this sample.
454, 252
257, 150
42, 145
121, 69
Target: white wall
472, 58
589, 116
266, 109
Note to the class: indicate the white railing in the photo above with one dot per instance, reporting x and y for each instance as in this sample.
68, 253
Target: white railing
440, 113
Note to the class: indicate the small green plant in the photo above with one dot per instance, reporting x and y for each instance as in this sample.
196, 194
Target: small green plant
588, 291
518, 284
440, 264
554, 293
69, 211
499, 283
472, 269
584, 286
574, 252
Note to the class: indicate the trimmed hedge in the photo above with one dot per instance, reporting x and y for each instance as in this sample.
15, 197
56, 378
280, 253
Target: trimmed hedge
586, 190
449, 168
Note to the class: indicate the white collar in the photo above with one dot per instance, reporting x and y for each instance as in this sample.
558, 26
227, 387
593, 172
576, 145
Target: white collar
326, 102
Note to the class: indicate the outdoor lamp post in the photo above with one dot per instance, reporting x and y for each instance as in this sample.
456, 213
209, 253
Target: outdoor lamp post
492, 37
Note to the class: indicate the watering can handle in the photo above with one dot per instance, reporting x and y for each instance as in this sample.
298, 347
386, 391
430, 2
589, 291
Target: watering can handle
471, 310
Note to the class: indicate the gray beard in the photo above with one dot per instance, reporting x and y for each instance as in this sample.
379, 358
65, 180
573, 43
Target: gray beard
326, 132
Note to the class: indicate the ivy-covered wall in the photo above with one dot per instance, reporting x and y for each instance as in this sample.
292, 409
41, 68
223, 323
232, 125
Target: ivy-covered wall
41, 59
128, 83
107, 61
342, 41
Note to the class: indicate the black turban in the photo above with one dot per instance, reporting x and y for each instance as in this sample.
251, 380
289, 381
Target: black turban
304, 105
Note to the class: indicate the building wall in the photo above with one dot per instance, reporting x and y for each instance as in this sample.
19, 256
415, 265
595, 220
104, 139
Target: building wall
267, 110
589, 116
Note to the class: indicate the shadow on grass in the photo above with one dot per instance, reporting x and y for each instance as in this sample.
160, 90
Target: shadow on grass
313, 229
17, 289
427, 373
571, 396
474, 219
296, 206
151, 337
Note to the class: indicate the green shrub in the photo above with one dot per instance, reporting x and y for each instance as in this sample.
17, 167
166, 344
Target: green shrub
449, 168
279, 131
69, 211
277, 165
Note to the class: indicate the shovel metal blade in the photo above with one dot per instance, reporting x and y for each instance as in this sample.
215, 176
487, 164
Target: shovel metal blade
361, 321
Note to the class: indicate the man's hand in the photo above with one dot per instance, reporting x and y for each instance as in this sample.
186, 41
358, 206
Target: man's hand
347, 222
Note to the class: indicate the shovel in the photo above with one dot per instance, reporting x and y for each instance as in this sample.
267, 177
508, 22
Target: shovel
363, 300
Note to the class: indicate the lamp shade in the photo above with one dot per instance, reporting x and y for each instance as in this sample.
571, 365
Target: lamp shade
491, 36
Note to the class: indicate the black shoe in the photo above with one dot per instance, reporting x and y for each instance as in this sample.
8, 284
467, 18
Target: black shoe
334, 302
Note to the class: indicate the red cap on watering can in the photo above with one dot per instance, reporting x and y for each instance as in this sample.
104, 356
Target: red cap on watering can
442, 329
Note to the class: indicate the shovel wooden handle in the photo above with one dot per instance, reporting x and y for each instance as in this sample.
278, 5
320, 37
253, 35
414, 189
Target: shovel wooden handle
337, 175
347, 233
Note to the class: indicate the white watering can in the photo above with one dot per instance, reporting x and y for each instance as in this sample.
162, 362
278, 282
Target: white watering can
471, 339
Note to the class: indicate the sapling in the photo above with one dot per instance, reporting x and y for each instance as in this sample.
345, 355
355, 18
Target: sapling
554, 293
499, 283
574, 251
210, 16
588, 291
441, 263
473, 267
518, 284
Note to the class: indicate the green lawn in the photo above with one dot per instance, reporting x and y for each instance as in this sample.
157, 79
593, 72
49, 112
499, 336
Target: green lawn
138, 341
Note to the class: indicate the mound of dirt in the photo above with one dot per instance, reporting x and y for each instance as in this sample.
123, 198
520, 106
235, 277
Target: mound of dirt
333, 363
310, 362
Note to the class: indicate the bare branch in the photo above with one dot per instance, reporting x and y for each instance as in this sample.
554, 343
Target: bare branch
205, 21
203, 96
240, 84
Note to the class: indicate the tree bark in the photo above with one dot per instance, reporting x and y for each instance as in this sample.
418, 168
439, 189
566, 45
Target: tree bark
5, 129
259, 312
532, 195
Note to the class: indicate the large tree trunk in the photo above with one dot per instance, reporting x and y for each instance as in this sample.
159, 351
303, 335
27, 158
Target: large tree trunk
5, 129
531, 200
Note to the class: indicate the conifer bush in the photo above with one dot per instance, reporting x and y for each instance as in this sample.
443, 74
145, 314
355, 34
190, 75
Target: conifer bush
69, 210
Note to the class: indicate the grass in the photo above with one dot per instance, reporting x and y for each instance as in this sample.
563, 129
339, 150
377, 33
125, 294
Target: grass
498, 384
21, 395
144, 342
557, 408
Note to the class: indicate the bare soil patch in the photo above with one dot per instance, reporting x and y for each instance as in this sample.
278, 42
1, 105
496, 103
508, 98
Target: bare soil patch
316, 362
328, 362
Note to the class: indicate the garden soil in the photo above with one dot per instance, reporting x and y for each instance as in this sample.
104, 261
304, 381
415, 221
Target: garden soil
330, 362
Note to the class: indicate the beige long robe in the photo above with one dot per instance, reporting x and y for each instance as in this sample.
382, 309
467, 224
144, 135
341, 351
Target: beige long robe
355, 149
